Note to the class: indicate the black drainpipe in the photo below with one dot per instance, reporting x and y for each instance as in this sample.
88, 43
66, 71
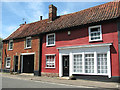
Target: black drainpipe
40, 53
118, 30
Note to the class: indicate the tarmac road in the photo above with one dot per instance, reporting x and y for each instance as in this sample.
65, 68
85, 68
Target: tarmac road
23, 81
17, 83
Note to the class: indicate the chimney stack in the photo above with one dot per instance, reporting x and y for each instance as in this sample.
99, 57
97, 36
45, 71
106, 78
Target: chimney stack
52, 12
40, 17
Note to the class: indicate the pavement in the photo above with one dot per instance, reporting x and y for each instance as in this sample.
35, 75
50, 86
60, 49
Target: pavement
55, 80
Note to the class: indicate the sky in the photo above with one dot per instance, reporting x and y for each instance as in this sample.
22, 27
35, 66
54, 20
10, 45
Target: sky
14, 12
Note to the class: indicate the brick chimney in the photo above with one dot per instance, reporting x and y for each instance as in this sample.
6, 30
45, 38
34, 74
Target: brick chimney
52, 12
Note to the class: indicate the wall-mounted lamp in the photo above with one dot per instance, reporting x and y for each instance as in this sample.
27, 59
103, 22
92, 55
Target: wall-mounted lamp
69, 32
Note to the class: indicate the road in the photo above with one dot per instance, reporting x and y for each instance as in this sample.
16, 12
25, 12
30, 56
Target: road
12, 82
20, 83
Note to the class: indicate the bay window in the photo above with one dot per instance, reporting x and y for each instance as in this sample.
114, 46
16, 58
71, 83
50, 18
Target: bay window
89, 63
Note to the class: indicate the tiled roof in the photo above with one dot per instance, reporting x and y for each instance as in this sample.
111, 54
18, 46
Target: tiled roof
102, 12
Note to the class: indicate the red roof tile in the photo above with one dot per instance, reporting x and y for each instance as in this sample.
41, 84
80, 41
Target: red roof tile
102, 12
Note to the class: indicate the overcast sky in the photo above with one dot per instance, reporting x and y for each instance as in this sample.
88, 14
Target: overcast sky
14, 12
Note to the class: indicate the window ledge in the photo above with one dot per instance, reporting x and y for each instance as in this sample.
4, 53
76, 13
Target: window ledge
50, 67
7, 67
28, 48
50, 45
98, 40
10, 49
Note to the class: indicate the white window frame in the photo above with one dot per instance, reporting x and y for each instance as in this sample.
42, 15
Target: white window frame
107, 64
94, 61
95, 64
46, 59
90, 33
9, 45
82, 62
7, 61
47, 39
26, 42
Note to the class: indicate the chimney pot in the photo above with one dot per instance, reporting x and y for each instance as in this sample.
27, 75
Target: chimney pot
52, 12
40, 17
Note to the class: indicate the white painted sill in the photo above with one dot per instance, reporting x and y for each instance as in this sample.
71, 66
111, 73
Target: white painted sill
10, 49
28, 48
95, 40
50, 67
7, 67
50, 45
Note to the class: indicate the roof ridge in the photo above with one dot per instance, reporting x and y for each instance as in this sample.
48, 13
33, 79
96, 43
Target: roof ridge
73, 12
36, 21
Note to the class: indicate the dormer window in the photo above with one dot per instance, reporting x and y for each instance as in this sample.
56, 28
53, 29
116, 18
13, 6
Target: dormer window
50, 39
10, 46
95, 33
28, 42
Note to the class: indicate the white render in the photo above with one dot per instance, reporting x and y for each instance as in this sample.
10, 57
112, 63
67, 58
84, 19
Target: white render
95, 48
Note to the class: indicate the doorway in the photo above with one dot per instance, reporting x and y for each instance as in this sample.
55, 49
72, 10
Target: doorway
28, 63
15, 63
65, 65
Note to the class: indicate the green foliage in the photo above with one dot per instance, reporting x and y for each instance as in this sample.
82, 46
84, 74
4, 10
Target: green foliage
0, 48
0, 43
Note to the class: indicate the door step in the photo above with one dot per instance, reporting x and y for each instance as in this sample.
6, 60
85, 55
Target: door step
14, 73
64, 78
27, 74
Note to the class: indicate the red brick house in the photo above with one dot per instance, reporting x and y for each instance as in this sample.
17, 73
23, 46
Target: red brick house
85, 44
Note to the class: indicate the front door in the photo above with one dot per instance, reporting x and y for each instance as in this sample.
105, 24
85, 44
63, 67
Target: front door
15, 63
65, 65
28, 63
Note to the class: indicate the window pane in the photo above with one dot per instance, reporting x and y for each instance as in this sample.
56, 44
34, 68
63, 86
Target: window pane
7, 62
89, 63
102, 63
50, 61
95, 33
77, 65
11, 45
50, 39
28, 42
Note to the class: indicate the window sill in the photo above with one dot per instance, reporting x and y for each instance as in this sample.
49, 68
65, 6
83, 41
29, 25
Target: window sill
95, 40
27, 48
10, 49
50, 67
50, 45
7, 67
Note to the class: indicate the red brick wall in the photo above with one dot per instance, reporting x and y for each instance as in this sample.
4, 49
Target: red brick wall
18, 48
77, 37
80, 37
